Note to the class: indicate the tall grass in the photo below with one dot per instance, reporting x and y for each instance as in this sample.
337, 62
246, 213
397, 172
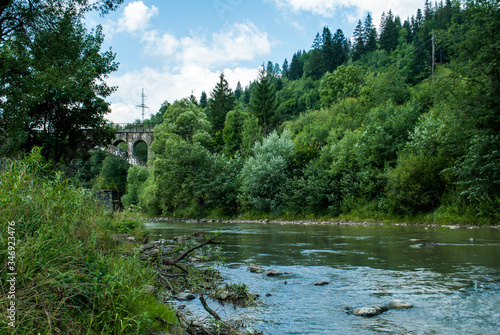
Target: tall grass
71, 279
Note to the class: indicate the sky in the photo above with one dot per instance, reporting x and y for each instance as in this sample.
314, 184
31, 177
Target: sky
172, 49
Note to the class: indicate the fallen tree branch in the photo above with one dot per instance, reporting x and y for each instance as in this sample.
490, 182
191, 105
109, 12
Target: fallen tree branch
163, 321
208, 309
181, 257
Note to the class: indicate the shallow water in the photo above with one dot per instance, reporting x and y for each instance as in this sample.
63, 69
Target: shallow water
454, 286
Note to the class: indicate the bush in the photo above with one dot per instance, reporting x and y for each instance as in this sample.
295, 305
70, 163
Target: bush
136, 177
264, 175
416, 184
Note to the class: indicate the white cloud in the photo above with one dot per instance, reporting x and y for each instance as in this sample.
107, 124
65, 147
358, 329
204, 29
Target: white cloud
238, 42
186, 64
163, 84
328, 8
159, 44
136, 17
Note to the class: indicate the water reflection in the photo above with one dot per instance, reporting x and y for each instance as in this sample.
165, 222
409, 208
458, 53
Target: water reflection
455, 285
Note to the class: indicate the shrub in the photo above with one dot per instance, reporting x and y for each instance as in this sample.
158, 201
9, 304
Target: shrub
264, 175
416, 184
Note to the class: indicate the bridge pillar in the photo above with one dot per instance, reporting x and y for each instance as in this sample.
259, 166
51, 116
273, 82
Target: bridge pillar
131, 137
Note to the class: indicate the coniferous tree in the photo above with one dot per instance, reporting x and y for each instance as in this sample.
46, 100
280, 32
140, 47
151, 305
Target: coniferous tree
340, 49
263, 101
428, 11
203, 100
221, 101
358, 48
328, 49
276, 70
238, 91
285, 68
270, 68
193, 99
389, 33
317, 43
407, 28
370, 34
296, 67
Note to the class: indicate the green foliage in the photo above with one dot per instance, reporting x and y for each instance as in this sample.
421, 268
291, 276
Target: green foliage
233, 131
46, 101
220, 103
184, 120
263, 101
315, 191
136, 177
251, 133
380, 88
359, 140
416, 183
265, 173
178, 171
345, 82
113, 174
64, 257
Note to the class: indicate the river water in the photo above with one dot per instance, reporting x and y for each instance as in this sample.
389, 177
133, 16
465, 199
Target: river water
454, 286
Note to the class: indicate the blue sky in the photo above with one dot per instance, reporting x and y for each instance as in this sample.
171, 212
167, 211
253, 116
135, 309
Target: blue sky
172, 48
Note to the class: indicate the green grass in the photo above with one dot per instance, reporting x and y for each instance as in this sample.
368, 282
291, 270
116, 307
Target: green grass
71, 277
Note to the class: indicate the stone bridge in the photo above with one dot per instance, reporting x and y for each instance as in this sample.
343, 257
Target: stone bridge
131, 137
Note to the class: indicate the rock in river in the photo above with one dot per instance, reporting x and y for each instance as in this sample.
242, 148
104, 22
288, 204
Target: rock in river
273, 273
255, 269
369, 311
186, 295
399, 304
321, 283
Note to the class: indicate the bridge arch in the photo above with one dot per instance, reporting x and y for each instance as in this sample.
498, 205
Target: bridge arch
132, 137
140, 149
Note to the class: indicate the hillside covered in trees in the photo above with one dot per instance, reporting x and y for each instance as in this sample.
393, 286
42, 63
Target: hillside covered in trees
401, 121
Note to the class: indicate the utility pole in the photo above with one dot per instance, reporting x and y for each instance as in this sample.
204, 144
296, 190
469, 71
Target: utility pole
143, 104
433, 57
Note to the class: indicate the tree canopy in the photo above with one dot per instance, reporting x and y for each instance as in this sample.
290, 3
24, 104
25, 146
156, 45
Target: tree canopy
53, 85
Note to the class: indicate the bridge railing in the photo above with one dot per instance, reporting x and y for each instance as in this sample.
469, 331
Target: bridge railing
134, 126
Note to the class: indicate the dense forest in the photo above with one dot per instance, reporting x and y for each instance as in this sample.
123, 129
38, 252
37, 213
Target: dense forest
401, 121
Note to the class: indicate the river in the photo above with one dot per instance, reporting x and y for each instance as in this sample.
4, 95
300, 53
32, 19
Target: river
454, 286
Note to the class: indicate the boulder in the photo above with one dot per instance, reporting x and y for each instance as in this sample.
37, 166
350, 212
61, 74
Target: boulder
369, 311
183, 296
273, 273
255, 269
399, 304
321, 283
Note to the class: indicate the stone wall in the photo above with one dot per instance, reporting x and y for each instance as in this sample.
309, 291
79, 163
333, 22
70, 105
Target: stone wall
110, 200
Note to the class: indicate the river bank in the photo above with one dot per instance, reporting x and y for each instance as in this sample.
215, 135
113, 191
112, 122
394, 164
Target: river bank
68, 266
325, 222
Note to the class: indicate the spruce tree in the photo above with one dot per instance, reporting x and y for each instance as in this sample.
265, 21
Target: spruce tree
296, 67
221, 101
340, 49
263, 100
370, 33
359, 42
285, 68
389, 33
238, 91
203, 100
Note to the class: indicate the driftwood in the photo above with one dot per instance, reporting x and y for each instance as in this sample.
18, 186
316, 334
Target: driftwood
208, 309
176, 276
